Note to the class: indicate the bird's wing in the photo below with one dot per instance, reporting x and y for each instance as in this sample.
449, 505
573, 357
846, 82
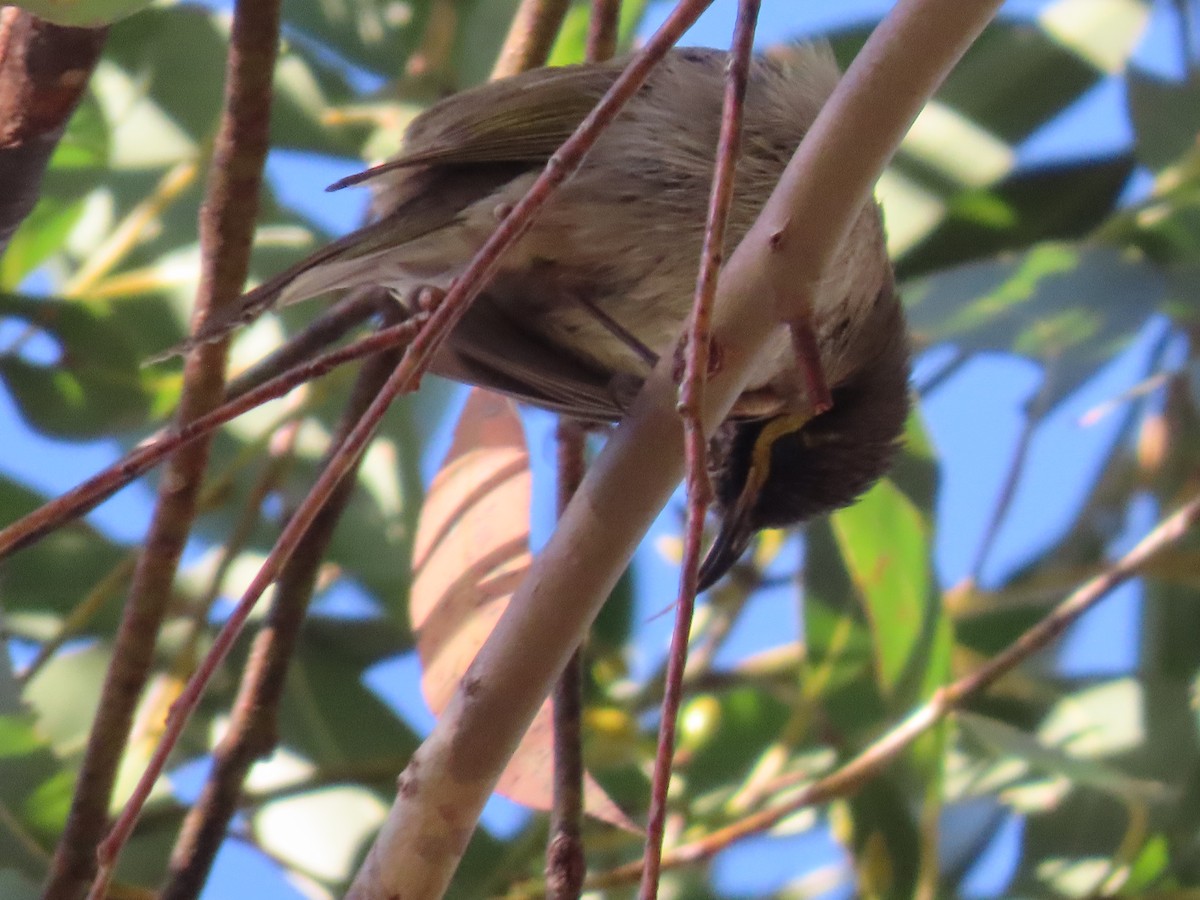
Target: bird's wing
515, 120
489, 350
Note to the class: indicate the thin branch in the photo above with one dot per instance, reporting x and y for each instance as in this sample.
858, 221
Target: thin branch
443, 318
281, 446
882, 752
330, 326
604, 29
565, 862
451, 775
691, 409
944, 373
530, 37
253, 729
226, 229
44, 70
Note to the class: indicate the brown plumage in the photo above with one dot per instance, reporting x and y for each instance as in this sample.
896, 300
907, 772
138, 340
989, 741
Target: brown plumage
620, 243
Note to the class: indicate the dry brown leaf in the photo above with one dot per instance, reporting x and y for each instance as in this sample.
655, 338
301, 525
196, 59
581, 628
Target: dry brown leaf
472, 550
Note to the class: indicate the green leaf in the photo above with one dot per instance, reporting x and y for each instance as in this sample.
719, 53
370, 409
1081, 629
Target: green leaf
32, 784
839, 664
333, 719
161, 84
1015, 78
64, 695
1064, 201
17, 886
85, 143
724, 735
1151, 864
41, 584
1071, 307
84, 13
1165, 114
322, 833
1010, 82
571, 45
878, 824
95, 387
1043, 757
1169, 230
884, 540
377, 35
40, 236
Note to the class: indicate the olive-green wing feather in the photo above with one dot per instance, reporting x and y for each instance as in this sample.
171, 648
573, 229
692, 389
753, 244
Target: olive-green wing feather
432, 205
520, 119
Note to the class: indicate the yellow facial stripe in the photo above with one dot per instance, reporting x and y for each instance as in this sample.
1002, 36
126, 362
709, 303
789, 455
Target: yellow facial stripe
760, 458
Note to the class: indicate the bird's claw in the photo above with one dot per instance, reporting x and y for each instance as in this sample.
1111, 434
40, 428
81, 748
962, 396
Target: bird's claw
808, 359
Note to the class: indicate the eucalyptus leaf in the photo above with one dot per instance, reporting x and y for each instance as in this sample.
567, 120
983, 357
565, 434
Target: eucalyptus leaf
1165, 114
884, 541
93, 388
1070, 306
84, 13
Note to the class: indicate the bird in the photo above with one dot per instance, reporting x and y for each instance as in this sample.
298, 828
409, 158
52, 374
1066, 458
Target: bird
601, 285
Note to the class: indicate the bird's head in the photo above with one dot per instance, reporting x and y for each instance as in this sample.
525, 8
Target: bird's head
784, 470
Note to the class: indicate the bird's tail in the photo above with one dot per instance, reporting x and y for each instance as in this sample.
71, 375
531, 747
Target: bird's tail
341, 264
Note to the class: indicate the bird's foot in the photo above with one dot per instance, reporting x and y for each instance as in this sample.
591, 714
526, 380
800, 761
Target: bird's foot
808, 360
421, 300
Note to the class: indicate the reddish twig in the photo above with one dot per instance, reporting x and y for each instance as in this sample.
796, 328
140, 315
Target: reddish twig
691, 406
87, 496
530, 37
565, 863
253, 730
604, 29
330, 326
226, 229
44, 70
405, 378
871, 761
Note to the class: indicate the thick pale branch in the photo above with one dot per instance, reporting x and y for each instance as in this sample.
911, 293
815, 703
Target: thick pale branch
566, 862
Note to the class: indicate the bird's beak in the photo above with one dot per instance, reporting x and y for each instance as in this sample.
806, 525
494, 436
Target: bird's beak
731, 541
738, 525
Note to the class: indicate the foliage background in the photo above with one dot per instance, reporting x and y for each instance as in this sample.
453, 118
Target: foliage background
1045, 220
